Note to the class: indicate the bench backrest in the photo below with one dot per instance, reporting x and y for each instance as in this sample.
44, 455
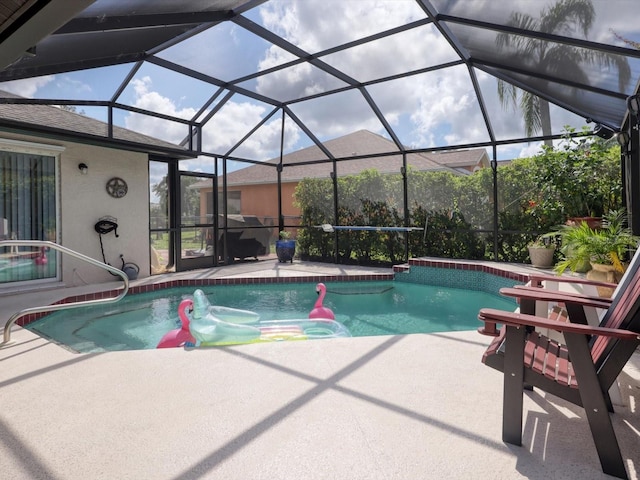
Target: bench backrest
624, 311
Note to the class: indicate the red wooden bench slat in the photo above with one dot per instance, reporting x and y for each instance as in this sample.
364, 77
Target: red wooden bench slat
495, 344
563, 367
559, 314
573, 381
529, 349
551, 360
540, 353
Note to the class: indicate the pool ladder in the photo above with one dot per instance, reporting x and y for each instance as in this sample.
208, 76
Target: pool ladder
60, 306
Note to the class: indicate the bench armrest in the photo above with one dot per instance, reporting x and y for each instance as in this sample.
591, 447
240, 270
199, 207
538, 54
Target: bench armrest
541, 294
522, 320
537, 279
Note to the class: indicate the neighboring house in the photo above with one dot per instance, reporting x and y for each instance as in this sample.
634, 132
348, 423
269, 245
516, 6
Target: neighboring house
253, 190
44, 195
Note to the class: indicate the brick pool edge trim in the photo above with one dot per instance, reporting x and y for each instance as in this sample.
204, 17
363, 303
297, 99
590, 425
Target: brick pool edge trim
205, 282
458, 265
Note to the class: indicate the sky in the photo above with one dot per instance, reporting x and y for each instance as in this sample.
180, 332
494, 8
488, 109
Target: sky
433, 109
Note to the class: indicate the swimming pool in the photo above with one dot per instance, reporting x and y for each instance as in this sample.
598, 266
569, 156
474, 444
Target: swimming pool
365, 308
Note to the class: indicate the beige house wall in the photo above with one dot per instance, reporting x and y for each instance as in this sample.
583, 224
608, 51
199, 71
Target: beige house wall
83, 200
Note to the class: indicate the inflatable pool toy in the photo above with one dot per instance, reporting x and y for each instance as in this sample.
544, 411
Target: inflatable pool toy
181, 336
234, 315
320, 311
41, 259
209, 330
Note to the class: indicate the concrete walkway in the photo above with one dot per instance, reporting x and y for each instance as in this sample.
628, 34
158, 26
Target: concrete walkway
390, 407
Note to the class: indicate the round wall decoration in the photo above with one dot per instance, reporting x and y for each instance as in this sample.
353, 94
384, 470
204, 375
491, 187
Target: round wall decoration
117, 187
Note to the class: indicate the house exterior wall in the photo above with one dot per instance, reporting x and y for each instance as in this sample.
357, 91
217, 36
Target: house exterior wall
262, 200
288, 209
83, 200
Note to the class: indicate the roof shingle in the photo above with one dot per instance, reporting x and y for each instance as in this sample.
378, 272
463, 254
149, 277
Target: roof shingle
56, 118
362, 142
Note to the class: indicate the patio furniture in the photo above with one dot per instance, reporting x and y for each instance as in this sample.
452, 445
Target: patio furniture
580, 370
241, 247
246, 238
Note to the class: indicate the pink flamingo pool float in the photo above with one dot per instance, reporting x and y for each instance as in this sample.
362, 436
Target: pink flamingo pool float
319, 310
41, 258
214, 326
181, 336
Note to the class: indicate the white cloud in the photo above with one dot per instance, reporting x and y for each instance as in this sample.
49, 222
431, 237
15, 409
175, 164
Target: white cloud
220, 134
315, 26
530, 150
448, 100
230, 124
28, 87
148, 99
430, 109
66, 83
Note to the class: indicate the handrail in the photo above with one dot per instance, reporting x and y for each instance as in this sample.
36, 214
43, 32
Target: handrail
61, 306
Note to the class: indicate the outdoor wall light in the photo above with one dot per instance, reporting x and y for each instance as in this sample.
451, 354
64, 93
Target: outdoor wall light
623, 140
602, 131
84, 169
633, 104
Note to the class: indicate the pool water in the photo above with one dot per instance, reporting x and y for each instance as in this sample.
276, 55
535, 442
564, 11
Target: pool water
366, 308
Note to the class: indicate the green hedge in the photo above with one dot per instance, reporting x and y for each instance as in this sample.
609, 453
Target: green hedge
580, 178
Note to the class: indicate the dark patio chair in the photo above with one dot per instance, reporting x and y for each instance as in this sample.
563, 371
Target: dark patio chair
580, 370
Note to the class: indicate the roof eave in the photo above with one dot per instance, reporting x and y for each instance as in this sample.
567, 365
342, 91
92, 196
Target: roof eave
85, 138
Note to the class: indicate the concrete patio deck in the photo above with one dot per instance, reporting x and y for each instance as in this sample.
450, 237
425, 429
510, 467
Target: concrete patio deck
390, 407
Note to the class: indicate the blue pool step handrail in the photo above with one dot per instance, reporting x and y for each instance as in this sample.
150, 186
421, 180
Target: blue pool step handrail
61, 306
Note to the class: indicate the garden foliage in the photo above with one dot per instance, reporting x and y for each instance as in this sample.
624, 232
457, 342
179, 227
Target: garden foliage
581, 177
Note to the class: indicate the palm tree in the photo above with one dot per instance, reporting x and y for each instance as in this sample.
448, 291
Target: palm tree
549, 57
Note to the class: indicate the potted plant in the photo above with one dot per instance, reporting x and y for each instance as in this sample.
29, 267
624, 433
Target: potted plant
575, 239
609, 247
285, 247
541, 252
604, 248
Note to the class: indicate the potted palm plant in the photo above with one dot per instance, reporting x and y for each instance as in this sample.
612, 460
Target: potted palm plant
285, 247
604, 248
574, 247
609, 247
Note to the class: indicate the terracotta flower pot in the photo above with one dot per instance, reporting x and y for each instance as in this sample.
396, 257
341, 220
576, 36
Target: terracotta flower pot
594, 223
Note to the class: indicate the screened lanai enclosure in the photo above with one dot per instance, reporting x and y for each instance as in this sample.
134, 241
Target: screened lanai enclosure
371, 130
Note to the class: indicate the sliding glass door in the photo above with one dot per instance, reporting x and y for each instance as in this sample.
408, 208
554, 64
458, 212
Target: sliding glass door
27, 212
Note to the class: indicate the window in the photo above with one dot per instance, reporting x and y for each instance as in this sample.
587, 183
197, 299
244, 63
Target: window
233, 201
27, 212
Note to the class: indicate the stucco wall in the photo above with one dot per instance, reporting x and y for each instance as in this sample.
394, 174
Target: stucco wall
262, 200
83, 200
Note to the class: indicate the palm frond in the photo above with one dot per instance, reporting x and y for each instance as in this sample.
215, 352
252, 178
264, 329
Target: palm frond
568, 16
530, 106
